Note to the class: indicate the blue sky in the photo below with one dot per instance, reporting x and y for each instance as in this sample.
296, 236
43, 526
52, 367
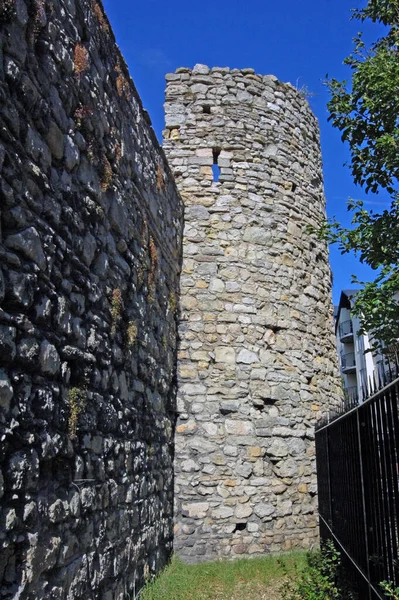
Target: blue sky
298, 41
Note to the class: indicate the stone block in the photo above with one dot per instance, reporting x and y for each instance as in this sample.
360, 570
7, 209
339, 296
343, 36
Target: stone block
225, 354
257, 235
236, 427
196, 510
55, 140
264, 510
6, 391
28, 243
247, 357
278, 448
243, 511
8, 347
49, 359
200, 70
223, 512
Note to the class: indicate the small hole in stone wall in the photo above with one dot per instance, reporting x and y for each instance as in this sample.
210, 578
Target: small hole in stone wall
293, 187
206, 109
215, 166
240, 527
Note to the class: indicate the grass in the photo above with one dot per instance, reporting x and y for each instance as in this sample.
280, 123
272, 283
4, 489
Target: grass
243, 579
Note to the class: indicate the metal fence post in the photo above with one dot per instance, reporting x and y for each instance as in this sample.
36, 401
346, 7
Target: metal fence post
330, 501
363, 501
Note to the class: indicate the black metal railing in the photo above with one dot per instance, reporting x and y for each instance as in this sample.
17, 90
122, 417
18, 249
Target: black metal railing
345, 328
351, 395
357, 455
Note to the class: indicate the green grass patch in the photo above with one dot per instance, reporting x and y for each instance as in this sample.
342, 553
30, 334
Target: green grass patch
242, 579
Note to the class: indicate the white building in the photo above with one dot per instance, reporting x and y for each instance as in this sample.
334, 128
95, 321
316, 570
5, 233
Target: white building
358, 367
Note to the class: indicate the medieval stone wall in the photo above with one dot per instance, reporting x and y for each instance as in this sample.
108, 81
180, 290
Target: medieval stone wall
257, 360
90, 246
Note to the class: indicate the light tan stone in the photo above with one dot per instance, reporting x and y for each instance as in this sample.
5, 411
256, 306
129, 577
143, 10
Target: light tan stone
225, 354
196, 510
234, 427
230, 483
188, 427
243, 511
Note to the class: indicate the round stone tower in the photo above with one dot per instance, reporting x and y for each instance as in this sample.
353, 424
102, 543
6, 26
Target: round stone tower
257, 361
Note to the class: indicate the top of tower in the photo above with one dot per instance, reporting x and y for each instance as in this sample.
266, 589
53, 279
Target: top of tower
215, 90
200, 69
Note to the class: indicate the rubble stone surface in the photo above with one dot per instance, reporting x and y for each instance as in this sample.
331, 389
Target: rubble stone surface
90, 252
257, 357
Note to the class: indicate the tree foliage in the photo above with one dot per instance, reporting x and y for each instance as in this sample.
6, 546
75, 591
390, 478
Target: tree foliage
366, 111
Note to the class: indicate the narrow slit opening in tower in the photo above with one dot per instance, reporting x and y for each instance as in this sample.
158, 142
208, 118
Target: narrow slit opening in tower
240, 526
215, 166
206, 109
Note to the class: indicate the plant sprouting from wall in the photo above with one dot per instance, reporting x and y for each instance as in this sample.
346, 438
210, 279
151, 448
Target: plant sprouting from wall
140, 276
172, 301
131, 333
96, 8
116, 308
118, 153
81, 113
122, 84
303, 90
77, 403
80, 59
105, 173
160, 181
153, 269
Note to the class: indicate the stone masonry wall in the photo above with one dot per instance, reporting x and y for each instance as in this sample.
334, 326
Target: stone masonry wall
257, 359
90, 246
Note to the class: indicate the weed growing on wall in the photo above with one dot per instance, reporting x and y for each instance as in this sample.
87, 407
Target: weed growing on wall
80, 59
116, 308
77, 403
81, 113
153, 269
140, 276
160, 181
96, 8
303, 90
131, 333
105, 173
122, 84
118, 152
172, 301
